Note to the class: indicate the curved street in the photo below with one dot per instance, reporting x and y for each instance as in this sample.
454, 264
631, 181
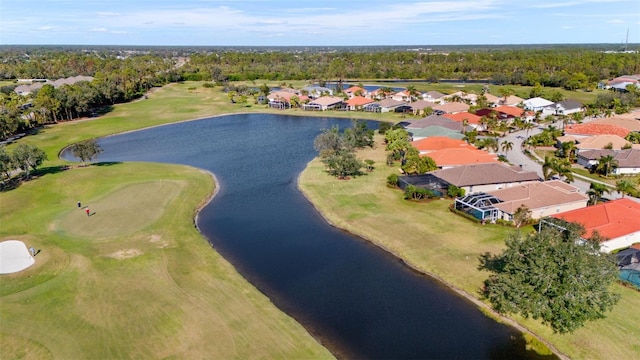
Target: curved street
517, 157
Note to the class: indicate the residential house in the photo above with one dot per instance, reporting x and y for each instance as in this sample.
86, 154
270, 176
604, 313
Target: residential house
503, 112
628, 160
484, 177
541, 198
472, 120
589, 158
37, 84
435, 130
450, 108
446, 158
616, 221
537, 104
434, 96
357, 103
355, 91
325, 103
468, 98
564, 107
623, 122
597, 142
418, 107
382, 106
434, 120
316, 91
403, 95
434, 143
281, 99
492, 100
590, 129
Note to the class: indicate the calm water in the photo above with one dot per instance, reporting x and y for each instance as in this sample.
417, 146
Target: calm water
357, 300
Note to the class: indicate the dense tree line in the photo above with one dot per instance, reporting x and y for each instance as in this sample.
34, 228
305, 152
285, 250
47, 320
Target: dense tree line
123, 74
116, 80
571, 68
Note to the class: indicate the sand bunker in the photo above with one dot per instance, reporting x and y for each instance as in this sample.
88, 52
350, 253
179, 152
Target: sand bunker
14, 257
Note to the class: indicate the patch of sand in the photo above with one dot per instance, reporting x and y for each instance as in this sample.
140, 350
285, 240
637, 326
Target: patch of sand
126, 254
14, 257
157, 239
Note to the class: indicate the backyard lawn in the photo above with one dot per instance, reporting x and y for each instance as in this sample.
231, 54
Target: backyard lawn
431, 239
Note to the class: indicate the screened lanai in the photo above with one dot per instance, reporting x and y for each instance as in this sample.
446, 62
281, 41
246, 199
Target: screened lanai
479, 205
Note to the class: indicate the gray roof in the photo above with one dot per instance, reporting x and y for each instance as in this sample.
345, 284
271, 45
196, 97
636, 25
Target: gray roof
390, 103
436, 130
485, 174
595, 154
628, 158
435, 120
422, 104
434, 94
570, 104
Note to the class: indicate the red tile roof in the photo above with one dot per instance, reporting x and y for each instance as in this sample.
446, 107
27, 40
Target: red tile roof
358, 101
611, 219
440, 142
461, 156
596, 129
509, 110
354, 89
472, 118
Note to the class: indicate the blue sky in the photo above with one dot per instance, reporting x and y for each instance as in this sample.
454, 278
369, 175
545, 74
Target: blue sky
317, 23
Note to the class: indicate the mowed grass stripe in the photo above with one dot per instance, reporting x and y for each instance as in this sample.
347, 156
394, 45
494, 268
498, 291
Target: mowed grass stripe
134, 280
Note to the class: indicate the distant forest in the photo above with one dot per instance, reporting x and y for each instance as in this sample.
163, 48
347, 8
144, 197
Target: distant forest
552, 66
125, 73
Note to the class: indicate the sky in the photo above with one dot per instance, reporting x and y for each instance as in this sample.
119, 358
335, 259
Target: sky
317, 23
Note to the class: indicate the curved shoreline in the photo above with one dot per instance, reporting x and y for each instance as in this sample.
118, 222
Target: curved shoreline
481, 305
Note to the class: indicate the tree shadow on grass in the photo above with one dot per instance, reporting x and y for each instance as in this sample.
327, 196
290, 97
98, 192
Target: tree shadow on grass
107, 163
18, 179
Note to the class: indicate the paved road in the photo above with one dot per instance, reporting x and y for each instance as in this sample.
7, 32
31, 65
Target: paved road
517, 157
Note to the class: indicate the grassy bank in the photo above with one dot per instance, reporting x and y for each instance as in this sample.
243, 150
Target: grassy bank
433, 240
133, 280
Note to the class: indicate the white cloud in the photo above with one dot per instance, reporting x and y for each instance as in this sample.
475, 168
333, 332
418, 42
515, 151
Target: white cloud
98, 29
567, 27
45, 28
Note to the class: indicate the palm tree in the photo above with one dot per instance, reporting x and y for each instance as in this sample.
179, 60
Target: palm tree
562, 167
506, 146
527, 126
568, 150
596, 190
606, 162
625, 187
548, 168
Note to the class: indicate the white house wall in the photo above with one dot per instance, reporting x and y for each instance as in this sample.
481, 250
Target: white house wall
620, 242
626, 171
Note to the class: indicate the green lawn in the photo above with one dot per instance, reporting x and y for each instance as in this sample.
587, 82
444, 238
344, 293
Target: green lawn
433, 240
88, 295
135, 279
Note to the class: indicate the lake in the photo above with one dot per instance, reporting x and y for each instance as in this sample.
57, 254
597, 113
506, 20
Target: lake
358, 300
